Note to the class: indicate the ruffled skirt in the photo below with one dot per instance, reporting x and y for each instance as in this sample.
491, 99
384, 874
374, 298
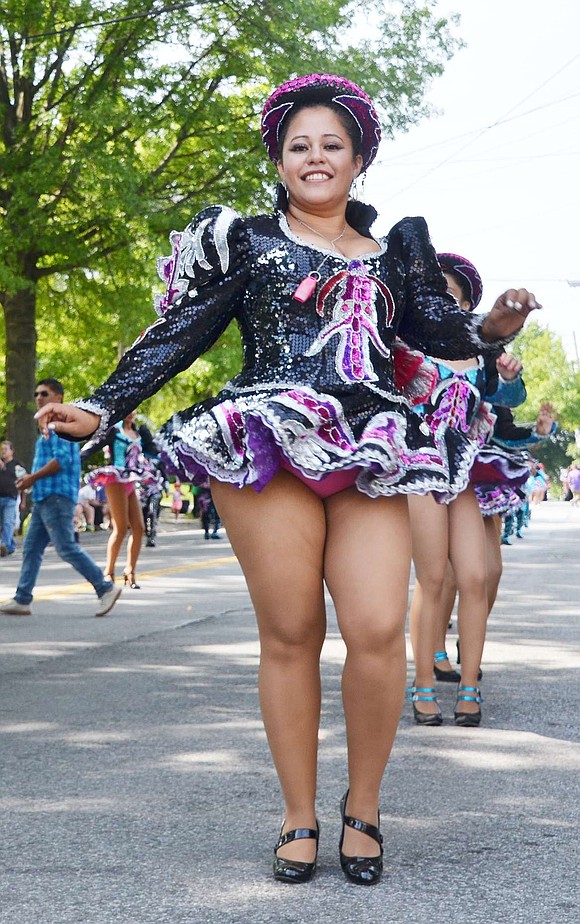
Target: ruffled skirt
498, 476
128, 477
382, 448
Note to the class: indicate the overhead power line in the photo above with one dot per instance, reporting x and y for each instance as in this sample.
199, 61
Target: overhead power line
497, 122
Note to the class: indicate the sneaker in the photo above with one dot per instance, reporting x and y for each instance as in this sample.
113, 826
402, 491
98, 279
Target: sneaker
108, 600
14, 608
3, 551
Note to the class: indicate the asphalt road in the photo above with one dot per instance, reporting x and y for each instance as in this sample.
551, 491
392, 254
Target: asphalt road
136, 783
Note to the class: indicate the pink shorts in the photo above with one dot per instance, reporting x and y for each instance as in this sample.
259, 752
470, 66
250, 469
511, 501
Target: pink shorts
328, 484
105, 480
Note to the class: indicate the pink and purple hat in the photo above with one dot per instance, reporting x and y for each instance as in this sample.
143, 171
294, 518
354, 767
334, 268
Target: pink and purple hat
323, 88
466, 272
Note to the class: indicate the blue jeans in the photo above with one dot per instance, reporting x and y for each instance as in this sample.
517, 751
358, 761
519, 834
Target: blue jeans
51, 520
7, 521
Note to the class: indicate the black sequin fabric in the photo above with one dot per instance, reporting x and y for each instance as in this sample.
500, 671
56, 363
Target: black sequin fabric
317, 389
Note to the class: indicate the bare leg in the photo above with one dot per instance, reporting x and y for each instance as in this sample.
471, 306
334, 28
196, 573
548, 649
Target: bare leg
448, 596
493, 527
468, 556
89, 514
119, 514
367, 574
279, 537
429, 528
137, 531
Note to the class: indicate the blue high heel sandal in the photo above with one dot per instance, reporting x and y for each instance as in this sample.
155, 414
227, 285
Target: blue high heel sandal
468, 695
424, 695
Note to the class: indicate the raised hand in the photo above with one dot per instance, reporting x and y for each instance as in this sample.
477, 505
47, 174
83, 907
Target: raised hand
546, 418
508, 314
508, 366
67, 419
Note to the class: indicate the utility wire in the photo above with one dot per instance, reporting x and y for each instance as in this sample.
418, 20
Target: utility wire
497, 122
479, 131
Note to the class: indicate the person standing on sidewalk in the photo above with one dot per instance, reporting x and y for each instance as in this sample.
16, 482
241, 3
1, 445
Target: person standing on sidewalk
10, 471
54, 480
312, 448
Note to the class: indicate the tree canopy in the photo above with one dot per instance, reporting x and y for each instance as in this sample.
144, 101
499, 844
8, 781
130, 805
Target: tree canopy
118, 120
549, 375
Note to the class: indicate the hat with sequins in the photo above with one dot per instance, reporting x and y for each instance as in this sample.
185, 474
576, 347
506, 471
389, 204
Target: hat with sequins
466, 272
323, 88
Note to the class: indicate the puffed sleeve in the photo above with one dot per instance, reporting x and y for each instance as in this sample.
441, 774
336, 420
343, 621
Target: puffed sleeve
205, 279
431, 320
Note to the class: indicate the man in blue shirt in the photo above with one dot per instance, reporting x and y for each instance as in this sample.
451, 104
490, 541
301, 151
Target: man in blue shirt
54, 480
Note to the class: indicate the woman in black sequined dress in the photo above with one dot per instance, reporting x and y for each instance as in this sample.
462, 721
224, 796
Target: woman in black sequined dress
313, 447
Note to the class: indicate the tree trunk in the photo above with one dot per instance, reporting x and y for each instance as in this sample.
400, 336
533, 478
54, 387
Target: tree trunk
20, 318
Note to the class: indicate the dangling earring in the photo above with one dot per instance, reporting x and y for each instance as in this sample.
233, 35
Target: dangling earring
354, 189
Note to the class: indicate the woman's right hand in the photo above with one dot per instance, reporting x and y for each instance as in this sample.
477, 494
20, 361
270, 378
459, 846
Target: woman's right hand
66, 419
546, 419
508, 314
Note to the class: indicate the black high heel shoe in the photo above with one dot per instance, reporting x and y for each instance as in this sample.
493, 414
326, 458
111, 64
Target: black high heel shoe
444, 676
360, 870
468, 695
129, 578
458, 646
295, 870
425, 695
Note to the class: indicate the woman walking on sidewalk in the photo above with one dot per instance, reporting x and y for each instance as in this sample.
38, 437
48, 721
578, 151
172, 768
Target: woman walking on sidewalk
312, 448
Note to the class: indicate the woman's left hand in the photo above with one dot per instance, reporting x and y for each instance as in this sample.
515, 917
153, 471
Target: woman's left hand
508, 366
508, 314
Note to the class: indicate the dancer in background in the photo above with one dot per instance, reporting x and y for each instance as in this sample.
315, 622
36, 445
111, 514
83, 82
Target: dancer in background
128, 467
499, 480
460, 421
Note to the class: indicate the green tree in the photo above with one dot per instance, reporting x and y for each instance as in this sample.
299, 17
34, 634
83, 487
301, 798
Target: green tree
549, 375
120, 119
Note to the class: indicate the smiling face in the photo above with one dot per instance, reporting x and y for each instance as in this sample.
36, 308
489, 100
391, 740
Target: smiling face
318, 163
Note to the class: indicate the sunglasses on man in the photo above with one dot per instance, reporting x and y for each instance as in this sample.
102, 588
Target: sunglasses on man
41, 394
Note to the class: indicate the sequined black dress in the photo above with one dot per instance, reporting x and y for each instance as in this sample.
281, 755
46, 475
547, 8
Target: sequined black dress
317, 389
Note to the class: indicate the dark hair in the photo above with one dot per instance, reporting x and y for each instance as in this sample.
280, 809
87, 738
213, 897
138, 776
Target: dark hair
461, 282
343, 115
53, 384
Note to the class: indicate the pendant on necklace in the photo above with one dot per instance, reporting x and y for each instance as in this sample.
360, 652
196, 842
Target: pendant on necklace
306, 288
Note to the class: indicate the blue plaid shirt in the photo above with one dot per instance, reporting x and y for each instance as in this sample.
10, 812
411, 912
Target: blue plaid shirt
66, 482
